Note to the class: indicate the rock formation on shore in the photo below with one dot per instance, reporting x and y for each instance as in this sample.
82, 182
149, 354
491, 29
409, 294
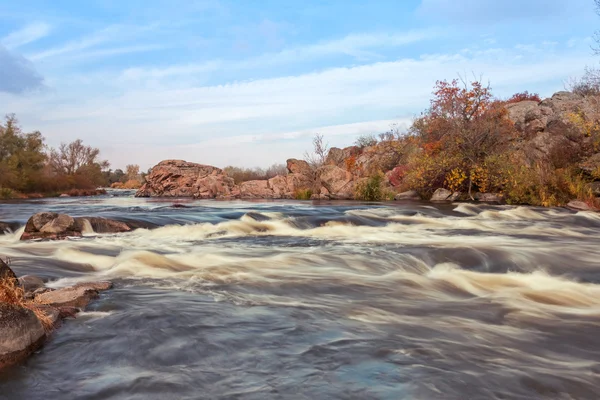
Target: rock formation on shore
548, 129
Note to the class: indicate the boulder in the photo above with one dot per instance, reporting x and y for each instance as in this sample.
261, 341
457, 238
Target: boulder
410, 195
52, 313
441, 194
490, 197
52, 226
6, 272
579, 206
299, 167
31, 283
76, 296
101, 225
21, 333
98, 286
338, 157
338, 182
591, 164
178, 178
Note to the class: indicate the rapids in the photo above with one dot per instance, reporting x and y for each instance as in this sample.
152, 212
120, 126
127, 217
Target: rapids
329, 300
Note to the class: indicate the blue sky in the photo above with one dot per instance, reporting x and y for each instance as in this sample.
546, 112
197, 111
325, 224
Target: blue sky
249, 82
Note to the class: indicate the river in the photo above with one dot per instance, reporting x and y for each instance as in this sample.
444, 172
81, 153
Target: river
330, 300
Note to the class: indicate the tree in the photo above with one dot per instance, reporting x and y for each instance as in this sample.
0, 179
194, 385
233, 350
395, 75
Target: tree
132, 172
21, 155
79, 162
462, 128
319, 154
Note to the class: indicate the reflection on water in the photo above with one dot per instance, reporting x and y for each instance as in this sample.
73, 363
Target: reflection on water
331, 300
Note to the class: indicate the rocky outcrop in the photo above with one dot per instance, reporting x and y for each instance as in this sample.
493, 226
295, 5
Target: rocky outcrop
178, 178
21, 333
496, 198
53, 226
337, 182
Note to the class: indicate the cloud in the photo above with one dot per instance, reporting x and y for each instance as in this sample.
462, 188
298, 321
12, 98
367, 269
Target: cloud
360, 46
27, 34
494, 10
18, 74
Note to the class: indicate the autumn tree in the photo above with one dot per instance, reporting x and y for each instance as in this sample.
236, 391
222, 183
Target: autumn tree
81, 163
463, 126
21, 156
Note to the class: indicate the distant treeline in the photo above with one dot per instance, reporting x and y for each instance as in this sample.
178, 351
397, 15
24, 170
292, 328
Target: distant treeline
29, 167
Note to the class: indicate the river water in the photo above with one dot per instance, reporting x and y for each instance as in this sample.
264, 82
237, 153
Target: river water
300, 300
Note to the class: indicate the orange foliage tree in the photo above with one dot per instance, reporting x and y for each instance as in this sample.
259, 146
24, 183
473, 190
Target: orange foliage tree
463, 126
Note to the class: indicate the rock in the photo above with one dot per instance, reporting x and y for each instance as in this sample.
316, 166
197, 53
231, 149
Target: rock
256, 190
68, 297
101, 225
591, 164
47, 225
30, 283
595, 188
410, 195
338, 157
68, 312
8, 227
441, 194
489, 197
178, 178
52, 226
299, 167
98, 286
52, 313
21, 333
455, 196
579, 206
6, 272
64, 195
60, 225
338, 182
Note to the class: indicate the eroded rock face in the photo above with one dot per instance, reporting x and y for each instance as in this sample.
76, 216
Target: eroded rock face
338, 182
21, 333
178, 178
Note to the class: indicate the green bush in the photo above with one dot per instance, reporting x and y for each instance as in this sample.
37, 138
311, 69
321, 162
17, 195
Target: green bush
370, 189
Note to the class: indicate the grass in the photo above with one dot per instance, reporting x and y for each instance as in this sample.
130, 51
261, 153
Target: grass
13, 294
305, 194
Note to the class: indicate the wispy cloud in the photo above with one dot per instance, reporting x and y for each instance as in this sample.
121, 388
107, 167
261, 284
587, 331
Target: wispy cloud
27, 34
360, 46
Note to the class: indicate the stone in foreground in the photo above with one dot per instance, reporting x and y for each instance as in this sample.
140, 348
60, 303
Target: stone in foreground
21, 333
68, 297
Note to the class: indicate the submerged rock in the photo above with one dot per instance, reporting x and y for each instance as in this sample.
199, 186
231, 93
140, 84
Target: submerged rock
21, 333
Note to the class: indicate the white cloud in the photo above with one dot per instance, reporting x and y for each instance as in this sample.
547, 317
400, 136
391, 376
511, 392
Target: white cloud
27, 34
267, 120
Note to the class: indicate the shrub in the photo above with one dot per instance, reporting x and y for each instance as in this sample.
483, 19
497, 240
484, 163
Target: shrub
370, 189
365, 141
587, 85
523, 96
303, 194
13, 294
6, 193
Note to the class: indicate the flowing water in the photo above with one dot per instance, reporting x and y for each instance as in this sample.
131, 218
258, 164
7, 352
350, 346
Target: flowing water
295, 300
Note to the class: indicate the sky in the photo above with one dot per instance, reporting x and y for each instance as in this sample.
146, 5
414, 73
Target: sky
249, 82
